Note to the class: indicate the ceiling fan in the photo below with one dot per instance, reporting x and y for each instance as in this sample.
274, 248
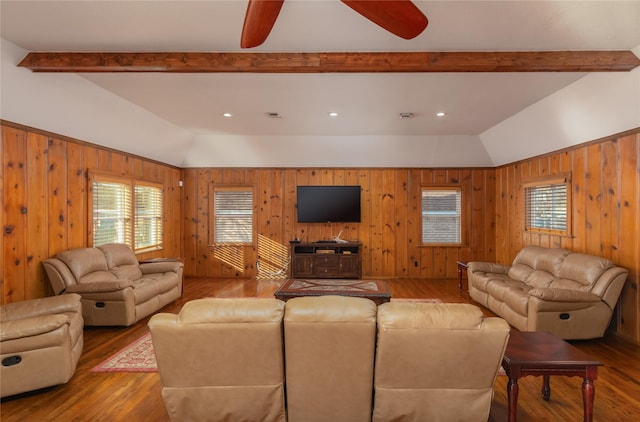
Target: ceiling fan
400, 17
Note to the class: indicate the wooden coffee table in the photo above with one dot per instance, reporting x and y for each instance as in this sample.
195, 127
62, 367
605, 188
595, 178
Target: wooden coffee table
375, 290
541, 353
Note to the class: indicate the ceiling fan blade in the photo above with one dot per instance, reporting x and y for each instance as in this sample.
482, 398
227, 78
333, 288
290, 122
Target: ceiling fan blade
400, 17
260, 17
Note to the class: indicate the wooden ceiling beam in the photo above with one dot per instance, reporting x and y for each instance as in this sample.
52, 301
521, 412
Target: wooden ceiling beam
334, 62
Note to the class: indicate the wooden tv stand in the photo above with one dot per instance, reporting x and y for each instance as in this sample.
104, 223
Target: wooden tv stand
325, 260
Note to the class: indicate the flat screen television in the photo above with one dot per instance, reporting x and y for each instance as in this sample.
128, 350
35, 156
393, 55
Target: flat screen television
328, 204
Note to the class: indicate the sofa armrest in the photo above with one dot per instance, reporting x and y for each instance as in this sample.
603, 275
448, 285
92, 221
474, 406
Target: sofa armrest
31, 326
100, 287
487, 267
39, 307
160, 267
564, 295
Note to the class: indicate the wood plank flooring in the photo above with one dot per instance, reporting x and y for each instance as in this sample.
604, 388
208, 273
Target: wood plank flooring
137, 396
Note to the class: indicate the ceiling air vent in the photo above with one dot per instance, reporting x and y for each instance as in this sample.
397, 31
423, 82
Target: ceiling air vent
406, 115
273, 115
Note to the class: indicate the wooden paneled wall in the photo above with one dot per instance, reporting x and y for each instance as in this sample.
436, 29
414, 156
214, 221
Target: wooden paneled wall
43, 182
390, 229
605, 212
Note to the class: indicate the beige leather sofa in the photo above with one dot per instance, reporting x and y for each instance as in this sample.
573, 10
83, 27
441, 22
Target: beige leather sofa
571, 295
223, 360
41, 341
115, 288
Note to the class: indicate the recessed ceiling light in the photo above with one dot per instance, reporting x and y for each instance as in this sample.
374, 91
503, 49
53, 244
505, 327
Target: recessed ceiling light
333, 114
441, 114
227, 114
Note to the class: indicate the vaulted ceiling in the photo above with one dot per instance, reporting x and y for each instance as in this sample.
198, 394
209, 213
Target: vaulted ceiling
290, 109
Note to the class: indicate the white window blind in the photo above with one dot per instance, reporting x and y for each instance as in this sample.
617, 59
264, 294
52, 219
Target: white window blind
148, 216
546, 206
441, 216
233, 215
111, 213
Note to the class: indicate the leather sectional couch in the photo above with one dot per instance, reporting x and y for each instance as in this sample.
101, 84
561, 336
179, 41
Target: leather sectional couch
327, 358
571, 295
115, 288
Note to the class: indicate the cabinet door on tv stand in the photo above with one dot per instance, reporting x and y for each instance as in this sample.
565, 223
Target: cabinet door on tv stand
350, 266
302, 266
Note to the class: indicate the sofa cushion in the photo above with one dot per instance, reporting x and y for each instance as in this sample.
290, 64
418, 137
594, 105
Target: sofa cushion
528, 256
148, 288
225, 310
517, 299
97, 277
550, 260
127, 272
117, 254
540, 279
520, 272
585, 269
83, 261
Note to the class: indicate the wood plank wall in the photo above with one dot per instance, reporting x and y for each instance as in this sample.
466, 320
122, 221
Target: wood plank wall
605, 177
45, 202
389, 231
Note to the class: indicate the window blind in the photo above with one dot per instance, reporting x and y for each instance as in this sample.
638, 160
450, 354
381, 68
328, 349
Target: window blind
111, 213
233, 218
441, 216
546, 207
148, 216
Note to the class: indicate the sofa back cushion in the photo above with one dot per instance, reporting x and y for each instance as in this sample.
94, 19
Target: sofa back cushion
121, 260
329, 338
85, 264
222, 359
537, 266
431, 354
584, 269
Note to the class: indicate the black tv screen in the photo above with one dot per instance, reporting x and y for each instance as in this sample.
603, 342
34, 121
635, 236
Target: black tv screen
328, 204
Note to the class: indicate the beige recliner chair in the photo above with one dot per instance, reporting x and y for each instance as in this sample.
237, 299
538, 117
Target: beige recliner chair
41, 341
436, 362
222, 360
330, 346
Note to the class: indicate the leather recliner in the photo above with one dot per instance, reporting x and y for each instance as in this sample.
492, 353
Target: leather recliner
436, 362
41, 341
222, 360
330, 347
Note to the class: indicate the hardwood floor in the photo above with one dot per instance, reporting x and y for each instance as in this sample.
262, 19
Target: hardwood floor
137, 396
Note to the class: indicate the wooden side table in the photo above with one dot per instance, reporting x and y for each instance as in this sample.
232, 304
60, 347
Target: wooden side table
540, 353
462, 265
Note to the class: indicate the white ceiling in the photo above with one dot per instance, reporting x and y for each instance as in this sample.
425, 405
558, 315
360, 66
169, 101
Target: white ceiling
369, 104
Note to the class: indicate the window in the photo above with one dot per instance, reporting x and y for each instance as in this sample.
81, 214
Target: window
233, 215
441, 216
148, 212
546, 205
111, 213
127, 211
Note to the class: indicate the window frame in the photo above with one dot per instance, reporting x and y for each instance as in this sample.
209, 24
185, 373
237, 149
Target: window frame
565, 180
212, 207
461, 216
130, 239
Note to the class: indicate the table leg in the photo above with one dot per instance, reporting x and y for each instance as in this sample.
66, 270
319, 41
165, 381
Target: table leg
546, 388
459, 278
588, 393
512, 394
